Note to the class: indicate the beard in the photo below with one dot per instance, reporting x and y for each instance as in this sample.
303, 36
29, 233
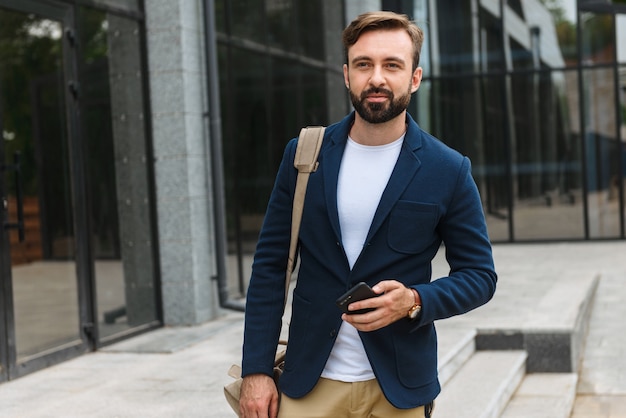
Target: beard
380, 112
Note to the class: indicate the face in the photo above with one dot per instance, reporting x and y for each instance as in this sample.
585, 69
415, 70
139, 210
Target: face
379, 74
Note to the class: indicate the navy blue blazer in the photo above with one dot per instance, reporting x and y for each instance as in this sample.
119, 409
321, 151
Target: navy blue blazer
431, 198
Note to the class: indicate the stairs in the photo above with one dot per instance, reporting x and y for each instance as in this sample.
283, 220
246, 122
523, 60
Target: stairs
549, 395
494, 384
526, 371
483, 386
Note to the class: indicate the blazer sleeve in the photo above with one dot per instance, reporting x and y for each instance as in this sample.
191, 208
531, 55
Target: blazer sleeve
472, 277
266, 290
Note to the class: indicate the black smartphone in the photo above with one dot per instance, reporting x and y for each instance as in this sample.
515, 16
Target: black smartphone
359, 292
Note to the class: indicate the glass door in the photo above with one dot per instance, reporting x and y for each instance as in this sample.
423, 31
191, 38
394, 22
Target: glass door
620, 37
40, 314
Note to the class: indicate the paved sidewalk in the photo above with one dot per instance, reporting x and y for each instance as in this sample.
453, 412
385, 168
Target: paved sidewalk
602, 383
180, 372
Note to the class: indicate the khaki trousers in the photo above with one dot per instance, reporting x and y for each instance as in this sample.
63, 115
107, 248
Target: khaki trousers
334, 399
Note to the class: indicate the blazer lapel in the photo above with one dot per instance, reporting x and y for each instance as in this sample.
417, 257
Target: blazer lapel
330, 165
406, 167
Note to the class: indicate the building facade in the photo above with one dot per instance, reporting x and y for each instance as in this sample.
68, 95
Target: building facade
140, 139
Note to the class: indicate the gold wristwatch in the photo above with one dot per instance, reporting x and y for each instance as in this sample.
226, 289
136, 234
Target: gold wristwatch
415, 309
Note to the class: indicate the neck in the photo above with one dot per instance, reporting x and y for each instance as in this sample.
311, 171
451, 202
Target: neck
365, 133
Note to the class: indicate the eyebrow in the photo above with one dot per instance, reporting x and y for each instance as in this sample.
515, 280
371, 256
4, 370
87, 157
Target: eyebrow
367, 58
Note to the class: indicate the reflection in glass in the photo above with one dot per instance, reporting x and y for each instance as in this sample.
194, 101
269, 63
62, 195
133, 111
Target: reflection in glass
43, 268
281, 26
522, 120
267, 95
491, 175
313, 95
602, 152
420, 16
559, 40
247, 19
453, 49
113, 127
308, 25
598, 42
249, 175
126, 5
620, 23
220, 15
622, 131
547, 166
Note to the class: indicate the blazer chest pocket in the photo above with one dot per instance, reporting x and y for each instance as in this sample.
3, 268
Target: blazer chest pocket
412, 226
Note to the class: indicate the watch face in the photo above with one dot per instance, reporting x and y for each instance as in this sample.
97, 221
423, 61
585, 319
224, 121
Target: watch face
415, 311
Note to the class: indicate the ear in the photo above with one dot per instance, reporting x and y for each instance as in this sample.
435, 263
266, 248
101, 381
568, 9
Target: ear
346, 79
416, 79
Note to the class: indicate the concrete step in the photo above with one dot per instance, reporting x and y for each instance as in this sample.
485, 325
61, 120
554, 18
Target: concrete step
455, 347
543, 395
483, 386
552, 332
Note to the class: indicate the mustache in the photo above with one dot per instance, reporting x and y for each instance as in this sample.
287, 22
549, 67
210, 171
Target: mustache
376, 90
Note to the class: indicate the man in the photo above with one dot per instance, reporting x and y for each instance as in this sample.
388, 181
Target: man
384, 198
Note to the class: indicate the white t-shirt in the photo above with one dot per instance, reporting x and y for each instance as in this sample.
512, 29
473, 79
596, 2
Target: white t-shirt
363, 176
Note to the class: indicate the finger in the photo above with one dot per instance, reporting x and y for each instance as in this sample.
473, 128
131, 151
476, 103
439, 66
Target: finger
371, 303
386, 286
370, 326
274, 408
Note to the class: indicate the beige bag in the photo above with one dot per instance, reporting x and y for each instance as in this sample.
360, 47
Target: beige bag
309, 144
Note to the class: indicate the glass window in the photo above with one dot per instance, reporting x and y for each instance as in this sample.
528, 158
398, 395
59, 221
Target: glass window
280, 24
491, 171
420, 105
516, 6
35, 175
490, 35
598, 41
553, 25
620, 24
314, 94
621, 59
467, 114
267, 95
547, 166
622, 111
286, 106
286, 112
420, 16
542, 34
113, 130
125, 5
455, 35
247, 19
220, 15
310, 27
523, 57
249, 166
522, 125
602, 153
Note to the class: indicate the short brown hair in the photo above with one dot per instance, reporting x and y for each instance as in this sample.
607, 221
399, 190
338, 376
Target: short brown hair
383, 20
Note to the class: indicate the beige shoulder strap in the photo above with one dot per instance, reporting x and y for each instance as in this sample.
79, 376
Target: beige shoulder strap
307, 150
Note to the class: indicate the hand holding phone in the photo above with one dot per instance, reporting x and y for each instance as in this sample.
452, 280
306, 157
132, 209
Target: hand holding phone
360, 291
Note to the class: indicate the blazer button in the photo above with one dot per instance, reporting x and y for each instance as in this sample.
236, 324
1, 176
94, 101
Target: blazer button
333, 333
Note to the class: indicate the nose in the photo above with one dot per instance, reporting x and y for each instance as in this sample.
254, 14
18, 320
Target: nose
377, 79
